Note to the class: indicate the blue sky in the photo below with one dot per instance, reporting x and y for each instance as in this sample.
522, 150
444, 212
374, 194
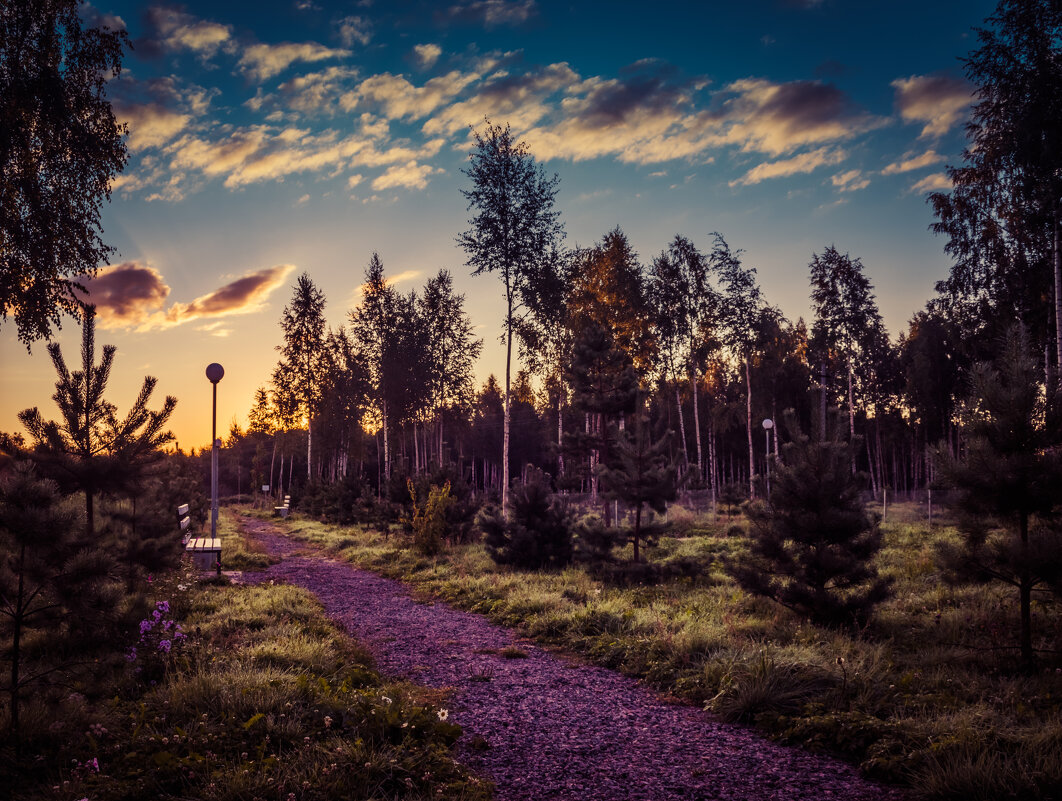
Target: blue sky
271, 138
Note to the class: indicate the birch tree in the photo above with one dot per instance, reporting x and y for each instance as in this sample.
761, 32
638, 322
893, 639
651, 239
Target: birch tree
513, 230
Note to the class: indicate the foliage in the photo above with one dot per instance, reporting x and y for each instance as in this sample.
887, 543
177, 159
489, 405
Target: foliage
1009, 480
515, 232
57, 599
1002, 215
640, 475
538, 532
429, 520
60, 148
812, 544
90, 449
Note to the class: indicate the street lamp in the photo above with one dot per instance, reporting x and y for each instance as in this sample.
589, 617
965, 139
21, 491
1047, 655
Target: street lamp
768, 424
214, 373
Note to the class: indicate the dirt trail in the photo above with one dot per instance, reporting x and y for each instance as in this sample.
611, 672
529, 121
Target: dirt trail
553, 728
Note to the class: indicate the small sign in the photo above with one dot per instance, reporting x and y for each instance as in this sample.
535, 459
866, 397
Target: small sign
265, 488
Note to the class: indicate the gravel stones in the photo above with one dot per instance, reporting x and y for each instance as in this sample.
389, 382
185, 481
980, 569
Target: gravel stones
549, 727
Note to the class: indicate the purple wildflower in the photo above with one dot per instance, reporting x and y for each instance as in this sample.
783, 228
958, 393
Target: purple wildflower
164, 646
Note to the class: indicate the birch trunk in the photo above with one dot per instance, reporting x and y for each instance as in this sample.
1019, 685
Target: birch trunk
748, 426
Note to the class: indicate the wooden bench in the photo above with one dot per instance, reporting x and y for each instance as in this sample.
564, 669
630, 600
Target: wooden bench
205, 553
183, 520
285, 510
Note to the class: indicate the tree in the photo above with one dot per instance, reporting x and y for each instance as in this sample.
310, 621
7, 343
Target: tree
847, 325
741, 305
1003, 215
55, 593
642, 474
513, 233
812, 542
537, 533
303, 354
1009, 480
60, 147
452, 350
684, 309
90, 449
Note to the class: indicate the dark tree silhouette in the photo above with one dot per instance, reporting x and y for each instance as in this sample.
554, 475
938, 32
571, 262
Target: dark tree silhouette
812, 542
60, 147
90, 449
1002, 217
514, 232
1010, 480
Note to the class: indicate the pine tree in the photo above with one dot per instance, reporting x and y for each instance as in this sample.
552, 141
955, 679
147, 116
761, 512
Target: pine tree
641, 474
55, 590
1009, 481
812, 543
90, 449
538, 532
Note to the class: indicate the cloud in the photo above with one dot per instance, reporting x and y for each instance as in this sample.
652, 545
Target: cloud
126, 294
399, 278
171, 29
426, 54
492, 13
409, 175
939, 101
132, 294
354, 30
519, 99
937, 182
850, 181
772, 118
397, 98
261, 62
802, 163
313, 93
157, 111
909, 162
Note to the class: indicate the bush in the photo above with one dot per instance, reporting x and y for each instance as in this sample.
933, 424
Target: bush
538, 533
429, 521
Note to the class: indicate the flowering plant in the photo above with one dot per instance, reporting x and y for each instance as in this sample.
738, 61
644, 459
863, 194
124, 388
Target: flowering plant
161, 638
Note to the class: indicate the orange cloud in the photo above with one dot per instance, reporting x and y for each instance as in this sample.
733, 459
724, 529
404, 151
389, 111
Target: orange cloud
939, 101
132, 295
802, 163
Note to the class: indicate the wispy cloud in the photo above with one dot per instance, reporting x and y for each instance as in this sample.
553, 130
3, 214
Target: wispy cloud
261, 62
355, 30
409, 176
492, 13
939, 101
802, 163
171, 29
937, 182
399, 278
850, 181
910, 162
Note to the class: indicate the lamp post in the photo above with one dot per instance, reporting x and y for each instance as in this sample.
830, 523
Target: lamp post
214, 373
768, 424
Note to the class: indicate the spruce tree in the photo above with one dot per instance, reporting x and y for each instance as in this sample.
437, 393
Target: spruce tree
641, 476
1009, 481
538, 532
812, 542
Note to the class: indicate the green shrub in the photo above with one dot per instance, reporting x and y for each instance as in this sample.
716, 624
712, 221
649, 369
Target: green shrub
538, 533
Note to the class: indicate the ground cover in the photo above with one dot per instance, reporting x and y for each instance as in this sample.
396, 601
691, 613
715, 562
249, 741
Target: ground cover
928, 694
241, 692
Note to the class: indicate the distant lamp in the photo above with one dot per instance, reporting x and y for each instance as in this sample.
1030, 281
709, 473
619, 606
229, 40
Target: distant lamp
768, 424
214, 373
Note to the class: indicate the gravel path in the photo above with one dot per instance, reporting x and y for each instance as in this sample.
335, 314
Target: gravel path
554, 728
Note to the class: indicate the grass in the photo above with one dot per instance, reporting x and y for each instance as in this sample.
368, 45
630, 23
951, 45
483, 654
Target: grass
924, 697
265, 698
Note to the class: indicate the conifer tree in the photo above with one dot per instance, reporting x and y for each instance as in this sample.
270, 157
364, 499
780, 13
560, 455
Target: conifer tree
1009, 481
90, 449
641, 474
812, 542
55, 592
538, 532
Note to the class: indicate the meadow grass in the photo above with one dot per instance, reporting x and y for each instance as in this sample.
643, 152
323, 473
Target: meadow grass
263, 698
929, 695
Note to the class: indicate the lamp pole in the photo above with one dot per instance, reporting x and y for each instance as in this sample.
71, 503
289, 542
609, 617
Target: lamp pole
768, 424
214, 373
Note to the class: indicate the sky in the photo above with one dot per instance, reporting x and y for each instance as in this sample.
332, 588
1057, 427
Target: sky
267, 139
